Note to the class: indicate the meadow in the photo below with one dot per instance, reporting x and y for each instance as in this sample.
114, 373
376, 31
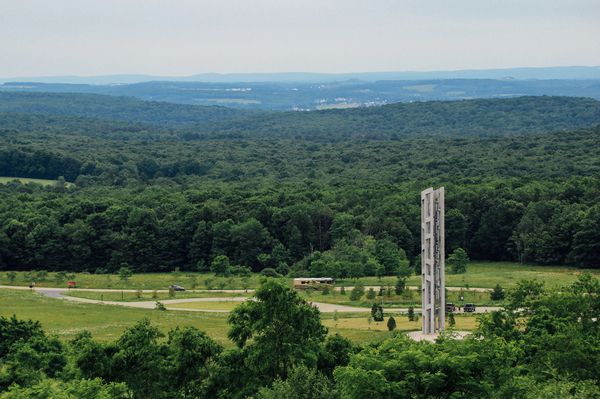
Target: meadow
66, 319
25, 180
478, 275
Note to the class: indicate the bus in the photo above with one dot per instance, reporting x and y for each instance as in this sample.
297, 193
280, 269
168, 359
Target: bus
315, 284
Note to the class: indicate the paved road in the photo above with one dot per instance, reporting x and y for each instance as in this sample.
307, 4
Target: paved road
323, 307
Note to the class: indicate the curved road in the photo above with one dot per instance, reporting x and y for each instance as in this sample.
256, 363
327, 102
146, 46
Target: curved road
323, 307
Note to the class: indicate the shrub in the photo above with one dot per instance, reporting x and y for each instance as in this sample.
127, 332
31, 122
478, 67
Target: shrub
160, 306
411, 314
268, 272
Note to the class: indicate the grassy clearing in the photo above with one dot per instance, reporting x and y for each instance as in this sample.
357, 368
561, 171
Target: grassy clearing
225, 305
350, 323
107, 322
147, 281
25, 180
479, 275
412, 298
120, 296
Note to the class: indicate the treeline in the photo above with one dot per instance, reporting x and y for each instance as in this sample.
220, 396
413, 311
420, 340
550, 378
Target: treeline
115, 107
468, 119
544, 345
92, 161
298, 228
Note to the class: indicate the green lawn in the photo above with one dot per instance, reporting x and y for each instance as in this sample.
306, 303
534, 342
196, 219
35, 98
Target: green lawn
25, 180
66, 318
120, 296
479, 275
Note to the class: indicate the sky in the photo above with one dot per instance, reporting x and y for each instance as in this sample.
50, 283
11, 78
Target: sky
188, 37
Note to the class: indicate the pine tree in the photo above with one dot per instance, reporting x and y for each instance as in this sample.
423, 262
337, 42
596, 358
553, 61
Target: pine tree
391, 324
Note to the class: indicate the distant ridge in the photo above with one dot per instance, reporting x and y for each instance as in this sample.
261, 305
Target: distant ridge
571, 72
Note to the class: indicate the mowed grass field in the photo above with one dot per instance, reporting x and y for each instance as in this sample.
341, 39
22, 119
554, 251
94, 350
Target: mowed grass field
479, 275
65, 318
25, 180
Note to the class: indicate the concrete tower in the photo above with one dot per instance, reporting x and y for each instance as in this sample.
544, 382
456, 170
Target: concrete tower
433, 276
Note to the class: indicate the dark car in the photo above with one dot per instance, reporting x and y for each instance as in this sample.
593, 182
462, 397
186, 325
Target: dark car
469, 307
177, 288
450, 307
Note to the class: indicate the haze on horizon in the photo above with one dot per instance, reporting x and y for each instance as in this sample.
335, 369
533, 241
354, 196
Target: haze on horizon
188, 37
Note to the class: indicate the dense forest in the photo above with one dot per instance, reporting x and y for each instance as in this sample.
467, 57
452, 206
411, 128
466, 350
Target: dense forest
118, 108
147, 197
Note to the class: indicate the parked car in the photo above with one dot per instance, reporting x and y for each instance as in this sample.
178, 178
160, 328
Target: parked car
177, 288
470, 307
450, 307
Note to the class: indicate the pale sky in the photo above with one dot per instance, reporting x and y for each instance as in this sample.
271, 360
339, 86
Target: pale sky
188, 37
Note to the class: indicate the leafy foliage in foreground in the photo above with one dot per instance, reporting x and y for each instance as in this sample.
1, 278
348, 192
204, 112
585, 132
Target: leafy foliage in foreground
548, 348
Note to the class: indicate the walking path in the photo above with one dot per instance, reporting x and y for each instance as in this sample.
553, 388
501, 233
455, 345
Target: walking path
323, 307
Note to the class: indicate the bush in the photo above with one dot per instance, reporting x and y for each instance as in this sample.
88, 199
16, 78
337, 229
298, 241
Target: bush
268, 272
411, 314
160, 306
326, 290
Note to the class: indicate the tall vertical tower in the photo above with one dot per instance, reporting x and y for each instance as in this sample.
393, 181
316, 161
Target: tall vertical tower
433, 276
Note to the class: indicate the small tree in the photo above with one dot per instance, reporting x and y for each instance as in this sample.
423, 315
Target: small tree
336, 317
41, 275
458, 261
208, 283
245, 283
220, 266
11, 276
411, 314
497, 294
371, 294
377, 312
400, 285
59, 277
125, 272
160, 306
451, 319
357, 292
326, 290
171, 292
391, 324
176, 274
138, 294
370, 320
343, 290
